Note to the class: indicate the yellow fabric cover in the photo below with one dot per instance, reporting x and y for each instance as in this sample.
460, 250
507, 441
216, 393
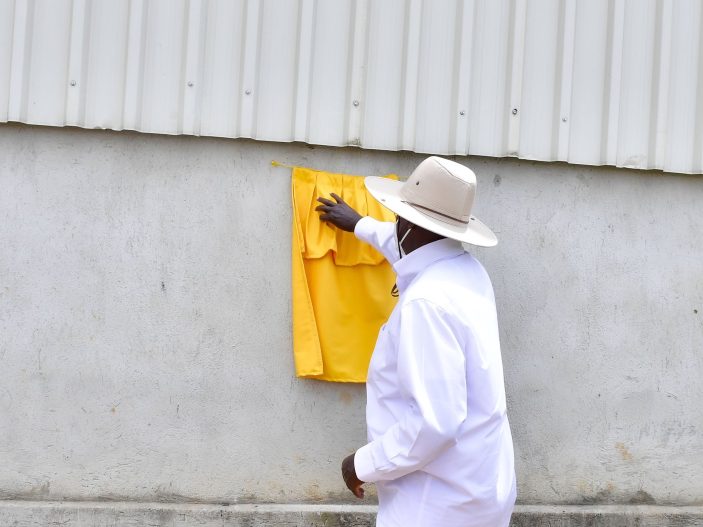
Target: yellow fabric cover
341, 286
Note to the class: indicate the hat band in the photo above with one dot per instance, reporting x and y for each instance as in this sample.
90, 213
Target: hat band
415, 205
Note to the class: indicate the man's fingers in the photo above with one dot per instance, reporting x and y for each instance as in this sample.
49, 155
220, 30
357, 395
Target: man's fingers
356, 488
326, 201
336, 197
325, 208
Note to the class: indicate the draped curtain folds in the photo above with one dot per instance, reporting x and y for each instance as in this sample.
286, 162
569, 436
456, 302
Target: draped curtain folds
341, 286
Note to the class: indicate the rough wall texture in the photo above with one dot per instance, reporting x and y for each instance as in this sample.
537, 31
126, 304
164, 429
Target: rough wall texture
145, 345
131, 514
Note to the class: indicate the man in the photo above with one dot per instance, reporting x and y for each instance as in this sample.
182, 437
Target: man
440, 449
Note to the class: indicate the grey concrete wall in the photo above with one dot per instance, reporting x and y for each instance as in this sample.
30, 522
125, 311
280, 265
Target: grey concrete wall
145, 332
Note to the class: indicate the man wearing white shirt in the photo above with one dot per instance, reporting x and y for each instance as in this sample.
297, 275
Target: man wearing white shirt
440, 449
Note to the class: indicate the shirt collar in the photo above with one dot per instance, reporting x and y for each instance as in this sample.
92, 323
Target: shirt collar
409, 266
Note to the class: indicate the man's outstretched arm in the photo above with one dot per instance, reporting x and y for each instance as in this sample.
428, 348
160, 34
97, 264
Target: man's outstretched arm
379, 234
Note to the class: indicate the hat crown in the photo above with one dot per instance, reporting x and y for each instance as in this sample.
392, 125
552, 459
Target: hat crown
441, 186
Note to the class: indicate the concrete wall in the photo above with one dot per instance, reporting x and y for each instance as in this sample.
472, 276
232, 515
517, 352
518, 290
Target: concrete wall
145, 331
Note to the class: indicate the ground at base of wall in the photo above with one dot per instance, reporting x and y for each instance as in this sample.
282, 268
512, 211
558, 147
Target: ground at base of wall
118, 514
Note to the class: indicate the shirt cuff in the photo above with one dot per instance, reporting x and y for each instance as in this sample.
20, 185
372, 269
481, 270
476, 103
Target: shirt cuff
363, 465
365, 228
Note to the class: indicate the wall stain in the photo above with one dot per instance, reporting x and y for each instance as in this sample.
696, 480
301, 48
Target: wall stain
642, 498
589, 497
312, 492
610, 495
624, 452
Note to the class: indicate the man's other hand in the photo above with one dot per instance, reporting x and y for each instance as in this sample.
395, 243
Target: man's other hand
338, 214
349, 474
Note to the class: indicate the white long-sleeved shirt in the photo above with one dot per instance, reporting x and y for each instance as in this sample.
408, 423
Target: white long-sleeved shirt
440, 449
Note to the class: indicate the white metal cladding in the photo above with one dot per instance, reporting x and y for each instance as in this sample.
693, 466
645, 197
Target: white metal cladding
616, 82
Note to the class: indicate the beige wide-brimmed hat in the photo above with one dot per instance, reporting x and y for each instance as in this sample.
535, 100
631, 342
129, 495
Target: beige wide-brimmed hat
438, 196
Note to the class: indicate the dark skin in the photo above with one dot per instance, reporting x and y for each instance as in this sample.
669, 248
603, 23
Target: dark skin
338, 213
349, 475
342, 216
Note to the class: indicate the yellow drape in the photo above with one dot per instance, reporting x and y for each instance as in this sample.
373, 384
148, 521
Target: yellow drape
341, 286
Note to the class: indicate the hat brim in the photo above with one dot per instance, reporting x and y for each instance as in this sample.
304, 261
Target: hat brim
387, 192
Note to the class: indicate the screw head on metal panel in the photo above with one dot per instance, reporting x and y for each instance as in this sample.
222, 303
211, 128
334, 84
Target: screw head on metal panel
462, 112
248, 92
514, 111
564, 119
190, 84
73, 83
356, 103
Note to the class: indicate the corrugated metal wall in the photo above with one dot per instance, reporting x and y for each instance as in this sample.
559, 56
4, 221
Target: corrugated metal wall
616, 82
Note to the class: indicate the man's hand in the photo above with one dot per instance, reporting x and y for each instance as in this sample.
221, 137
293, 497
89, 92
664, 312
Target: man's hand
338, 214
349, 474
